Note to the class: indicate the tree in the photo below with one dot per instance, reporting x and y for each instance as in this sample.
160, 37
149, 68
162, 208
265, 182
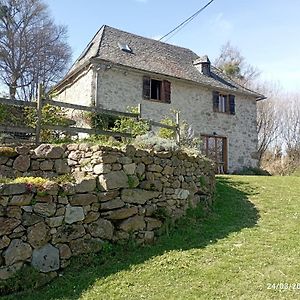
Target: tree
32, 48
267, 117
290, 129
233, 64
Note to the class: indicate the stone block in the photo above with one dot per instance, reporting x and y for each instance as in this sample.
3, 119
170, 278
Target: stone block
112, 204
84, 246
182, 194
7, 225
74, 214
154, 168
133, 224
85, 184
113, 180
45, 209
9, 271
83, 199
38, 235
4, 242
106, 196
55, 221
61, 167
49, 151
153, 223
129, 169
46, 165
102, 169
138, 196
29, 219
13, 189
64, 251
102, 229
18, 251
122, 213
91, 217
22, 163
21, 200
66, 233
46, 259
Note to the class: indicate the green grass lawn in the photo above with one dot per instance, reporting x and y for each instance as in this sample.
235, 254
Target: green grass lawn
247, 246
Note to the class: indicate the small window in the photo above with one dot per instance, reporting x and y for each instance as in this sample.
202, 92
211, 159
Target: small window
157, 90
124, 47
223, 103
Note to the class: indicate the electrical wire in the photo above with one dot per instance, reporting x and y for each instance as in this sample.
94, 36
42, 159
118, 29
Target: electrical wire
185, 22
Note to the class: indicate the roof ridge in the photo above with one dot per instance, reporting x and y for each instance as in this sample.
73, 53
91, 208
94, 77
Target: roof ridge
151, 39
101, 39
85, 50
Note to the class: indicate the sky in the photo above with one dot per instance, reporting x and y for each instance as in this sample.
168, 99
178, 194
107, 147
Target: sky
267, 32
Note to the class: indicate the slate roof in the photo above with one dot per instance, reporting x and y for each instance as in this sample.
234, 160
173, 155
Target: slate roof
152, 56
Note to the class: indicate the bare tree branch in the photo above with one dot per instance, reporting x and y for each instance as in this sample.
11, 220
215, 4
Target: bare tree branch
32, 48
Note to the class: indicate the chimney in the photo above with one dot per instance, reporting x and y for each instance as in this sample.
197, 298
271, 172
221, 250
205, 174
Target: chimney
203, 65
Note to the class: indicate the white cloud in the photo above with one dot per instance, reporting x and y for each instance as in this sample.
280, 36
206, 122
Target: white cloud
221, 25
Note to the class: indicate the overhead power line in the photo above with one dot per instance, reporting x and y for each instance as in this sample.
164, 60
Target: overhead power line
185, 22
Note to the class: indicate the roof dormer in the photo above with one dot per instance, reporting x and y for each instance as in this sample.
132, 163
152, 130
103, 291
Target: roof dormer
203, 65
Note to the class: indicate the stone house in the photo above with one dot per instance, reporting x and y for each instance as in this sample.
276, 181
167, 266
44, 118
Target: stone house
120, 69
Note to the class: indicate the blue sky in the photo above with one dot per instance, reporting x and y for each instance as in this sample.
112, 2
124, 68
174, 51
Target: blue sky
267, 32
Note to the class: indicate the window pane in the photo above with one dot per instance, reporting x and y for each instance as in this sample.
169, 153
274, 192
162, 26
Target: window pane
155, 89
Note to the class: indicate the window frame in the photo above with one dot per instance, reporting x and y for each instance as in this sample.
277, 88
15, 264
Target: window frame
221, 167
223, 103
163, 93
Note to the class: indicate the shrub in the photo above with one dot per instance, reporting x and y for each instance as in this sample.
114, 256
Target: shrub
101, 121
130, 125
150, 141
252, 171
51, 115
166, 133
11, 115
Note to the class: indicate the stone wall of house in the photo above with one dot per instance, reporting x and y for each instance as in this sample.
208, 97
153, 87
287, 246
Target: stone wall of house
80, 91
116, 194
119, 88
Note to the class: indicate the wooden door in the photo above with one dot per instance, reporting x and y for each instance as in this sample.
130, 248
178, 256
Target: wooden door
215, 147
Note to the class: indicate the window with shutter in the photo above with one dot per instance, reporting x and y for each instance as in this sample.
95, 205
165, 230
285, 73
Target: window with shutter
157, 90
166, 91
223, 103
146, 87
232, 104
216, 101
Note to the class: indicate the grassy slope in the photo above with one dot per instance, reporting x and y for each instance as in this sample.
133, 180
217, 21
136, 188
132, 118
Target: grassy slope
251, 239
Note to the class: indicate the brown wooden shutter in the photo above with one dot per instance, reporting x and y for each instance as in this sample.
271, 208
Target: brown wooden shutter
232, 104
216, 101
166, 91
146, 87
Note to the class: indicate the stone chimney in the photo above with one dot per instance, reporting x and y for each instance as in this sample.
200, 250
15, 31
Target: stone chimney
203, 65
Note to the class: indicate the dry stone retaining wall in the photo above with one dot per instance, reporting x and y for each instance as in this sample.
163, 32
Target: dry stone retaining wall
117, 194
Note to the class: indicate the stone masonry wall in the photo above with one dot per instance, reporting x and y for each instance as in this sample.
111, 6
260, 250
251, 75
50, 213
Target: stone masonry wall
196, 107
119, 88
118, 194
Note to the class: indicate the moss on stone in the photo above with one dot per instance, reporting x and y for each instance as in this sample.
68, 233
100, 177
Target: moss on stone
8, 152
